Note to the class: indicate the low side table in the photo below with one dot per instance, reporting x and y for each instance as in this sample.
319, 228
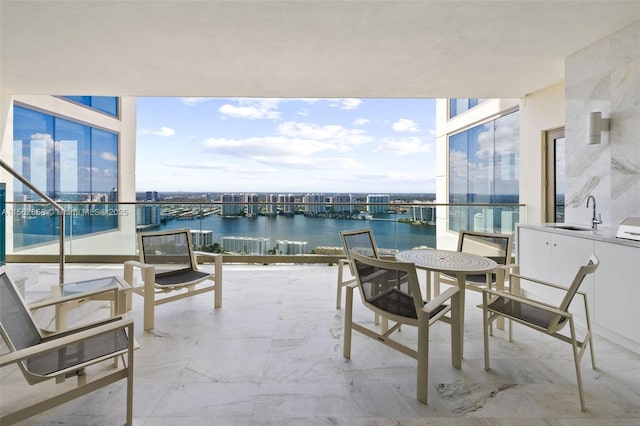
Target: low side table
113, 289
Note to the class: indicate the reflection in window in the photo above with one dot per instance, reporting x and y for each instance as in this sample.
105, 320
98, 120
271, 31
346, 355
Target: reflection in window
484, 168
106, 104
69, 162
460, 105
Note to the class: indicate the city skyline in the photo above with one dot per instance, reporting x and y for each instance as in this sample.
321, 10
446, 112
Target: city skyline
285, 145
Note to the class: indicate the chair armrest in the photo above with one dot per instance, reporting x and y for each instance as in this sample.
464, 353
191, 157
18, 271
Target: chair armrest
207, 254
537, 281
529, 302
146, 270
84, 295
19, 355
439, 300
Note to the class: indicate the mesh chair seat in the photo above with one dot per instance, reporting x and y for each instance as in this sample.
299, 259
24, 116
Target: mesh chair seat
399, 303
180, 277
522, 311
90, 349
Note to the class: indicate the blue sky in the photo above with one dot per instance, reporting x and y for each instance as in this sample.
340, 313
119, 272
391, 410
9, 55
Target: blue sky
341, 145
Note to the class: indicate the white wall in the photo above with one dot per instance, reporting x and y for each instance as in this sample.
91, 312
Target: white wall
604, 77
539, 112
121, 241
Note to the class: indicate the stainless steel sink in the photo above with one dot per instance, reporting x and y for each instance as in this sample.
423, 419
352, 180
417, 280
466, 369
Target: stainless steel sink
571, 228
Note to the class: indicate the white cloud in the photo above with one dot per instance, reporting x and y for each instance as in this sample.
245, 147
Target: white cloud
361, 122
311, 162
164, 131
194, 101
402, 147
345, 103
252, 109
329, 132
108, 156
405, 125
269, 146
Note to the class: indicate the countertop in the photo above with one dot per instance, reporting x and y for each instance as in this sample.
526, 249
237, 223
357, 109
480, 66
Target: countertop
604, 234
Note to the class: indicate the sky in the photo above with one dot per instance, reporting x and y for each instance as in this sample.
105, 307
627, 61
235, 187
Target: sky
250, 145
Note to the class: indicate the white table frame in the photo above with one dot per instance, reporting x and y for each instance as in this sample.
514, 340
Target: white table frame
454, 263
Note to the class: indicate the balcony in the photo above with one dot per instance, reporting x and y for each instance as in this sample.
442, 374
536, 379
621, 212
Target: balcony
273, 355
249, 232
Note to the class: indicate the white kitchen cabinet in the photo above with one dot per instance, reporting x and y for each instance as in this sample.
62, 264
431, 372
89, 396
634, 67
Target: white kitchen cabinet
613, 291
617, 291
555, 258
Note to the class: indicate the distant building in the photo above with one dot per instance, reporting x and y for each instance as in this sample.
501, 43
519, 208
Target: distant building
342, 203
271, 206
200, 238
381, 203
148, 216
236, 209
318, 203
286, 203
252, 206
246, 245
151, 196
291, 247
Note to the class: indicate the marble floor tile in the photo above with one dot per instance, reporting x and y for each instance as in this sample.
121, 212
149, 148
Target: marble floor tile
273, 355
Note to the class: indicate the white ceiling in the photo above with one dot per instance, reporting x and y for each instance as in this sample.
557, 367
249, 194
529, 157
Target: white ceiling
297, 48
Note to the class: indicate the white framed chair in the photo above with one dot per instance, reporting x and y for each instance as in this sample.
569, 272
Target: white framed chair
546, 318
359, 241
391, 289
168, 264
42, 356
493, 246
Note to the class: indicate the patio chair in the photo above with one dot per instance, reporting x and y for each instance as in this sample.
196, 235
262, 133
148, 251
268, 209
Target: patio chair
44, 356
543, 317
391, 289
168, 264
492, 246
359, 241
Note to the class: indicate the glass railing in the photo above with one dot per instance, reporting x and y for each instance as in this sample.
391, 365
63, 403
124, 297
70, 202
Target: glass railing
102, 229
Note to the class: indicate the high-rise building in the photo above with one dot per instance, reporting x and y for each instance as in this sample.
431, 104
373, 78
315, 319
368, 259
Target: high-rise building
291, 247
252, 206
342, 203
378, 203
246, 245
317, 203
286, 203
235, 209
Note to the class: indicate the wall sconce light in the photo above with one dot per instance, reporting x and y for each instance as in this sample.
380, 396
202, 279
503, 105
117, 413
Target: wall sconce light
596, 126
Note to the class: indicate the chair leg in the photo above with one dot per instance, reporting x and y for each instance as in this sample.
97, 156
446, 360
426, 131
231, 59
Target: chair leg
576, 360
348, 318
423, 358
339, 289
217, 298
149, 299
456, 330
436, 284
130, 377
485, 330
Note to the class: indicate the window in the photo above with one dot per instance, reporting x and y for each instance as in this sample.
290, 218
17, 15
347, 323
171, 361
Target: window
106, 104
460, 105
69, 162
484, 169
555, 179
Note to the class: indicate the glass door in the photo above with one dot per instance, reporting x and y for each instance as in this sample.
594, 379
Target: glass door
555, 175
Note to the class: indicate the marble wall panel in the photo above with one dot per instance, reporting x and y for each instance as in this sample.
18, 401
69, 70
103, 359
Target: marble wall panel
604, 77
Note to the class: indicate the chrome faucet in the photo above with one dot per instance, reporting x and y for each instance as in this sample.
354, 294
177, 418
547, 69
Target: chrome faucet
596, 219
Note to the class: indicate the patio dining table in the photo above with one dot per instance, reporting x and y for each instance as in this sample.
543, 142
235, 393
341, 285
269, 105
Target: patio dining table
453, 263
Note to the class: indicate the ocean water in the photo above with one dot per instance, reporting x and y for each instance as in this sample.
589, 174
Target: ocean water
388, 232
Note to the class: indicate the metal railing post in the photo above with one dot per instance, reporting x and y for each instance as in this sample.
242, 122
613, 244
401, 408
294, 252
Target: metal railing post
50, 201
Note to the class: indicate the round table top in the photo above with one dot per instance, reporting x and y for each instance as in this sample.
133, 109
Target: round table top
447, 261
